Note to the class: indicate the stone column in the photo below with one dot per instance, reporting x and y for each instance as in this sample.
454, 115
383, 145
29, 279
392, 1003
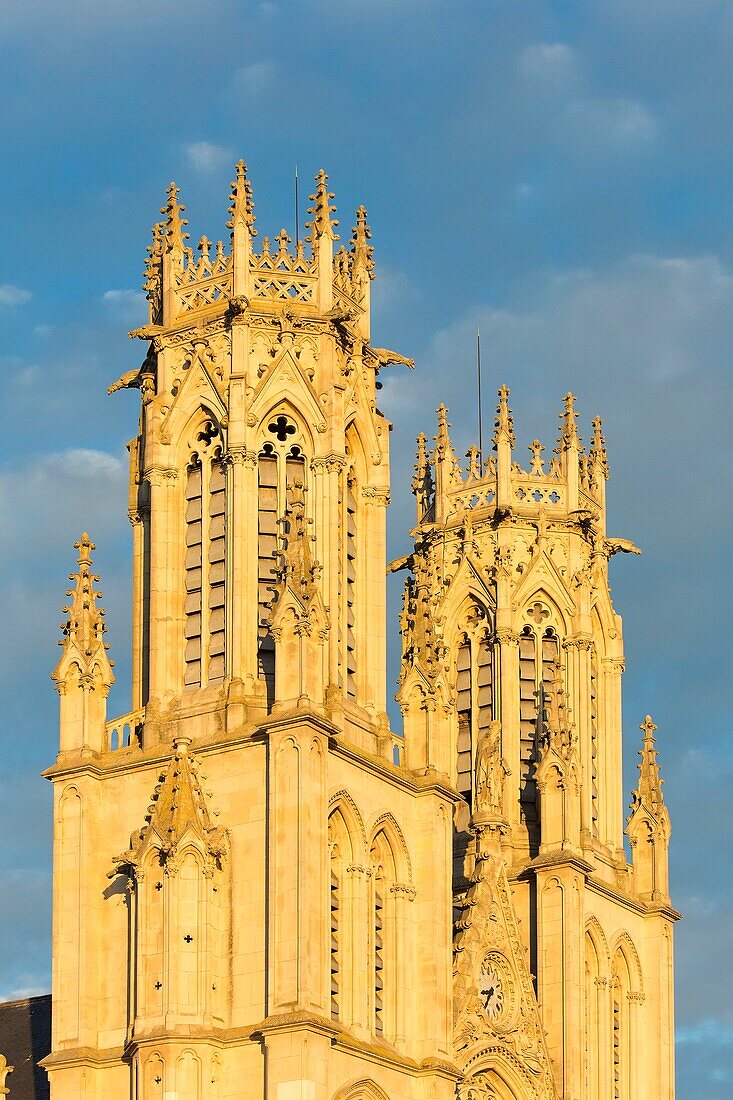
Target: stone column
166, 584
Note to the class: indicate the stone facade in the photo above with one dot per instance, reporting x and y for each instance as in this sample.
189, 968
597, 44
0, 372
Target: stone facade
260, 889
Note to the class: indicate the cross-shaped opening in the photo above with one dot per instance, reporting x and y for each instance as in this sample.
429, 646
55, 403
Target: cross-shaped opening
188, 938
281, 428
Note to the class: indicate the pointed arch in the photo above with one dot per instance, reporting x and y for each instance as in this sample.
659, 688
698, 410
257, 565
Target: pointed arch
204, 417
286, 386
283, 405
597, 939
387, 824
342, 802
623, 948
362, 1089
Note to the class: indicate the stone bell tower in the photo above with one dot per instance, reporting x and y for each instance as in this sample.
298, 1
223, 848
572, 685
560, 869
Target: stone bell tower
511, 683
252, 893
261, 891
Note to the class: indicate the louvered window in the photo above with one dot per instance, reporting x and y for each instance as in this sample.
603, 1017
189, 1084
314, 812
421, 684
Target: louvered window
535, 673
379, 958
205, 565
335, 952
465, 737
267, 528
194, 572
350, 591
281, 466
474, 696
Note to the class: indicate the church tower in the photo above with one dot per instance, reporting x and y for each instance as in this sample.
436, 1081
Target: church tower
261, 891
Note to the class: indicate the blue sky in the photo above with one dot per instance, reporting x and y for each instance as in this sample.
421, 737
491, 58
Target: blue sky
559, 173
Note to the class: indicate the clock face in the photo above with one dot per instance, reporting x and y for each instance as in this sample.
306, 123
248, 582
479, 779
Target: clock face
491, 992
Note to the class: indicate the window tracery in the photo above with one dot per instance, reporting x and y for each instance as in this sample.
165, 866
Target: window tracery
281, 464
539, 650
205, 562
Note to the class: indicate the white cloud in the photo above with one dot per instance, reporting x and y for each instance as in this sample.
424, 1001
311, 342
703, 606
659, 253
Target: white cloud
206, 157
13, 296
254, 78
128, 304
72, 490
614, 122
549, 62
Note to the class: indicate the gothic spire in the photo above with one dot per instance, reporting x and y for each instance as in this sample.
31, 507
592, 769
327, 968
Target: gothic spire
504, 425
84, 629
361, 250
568, 425
241, 204
296, 568
322, 225
557, 728
179, 805
422, 481
174, 223
598, 460
648, 792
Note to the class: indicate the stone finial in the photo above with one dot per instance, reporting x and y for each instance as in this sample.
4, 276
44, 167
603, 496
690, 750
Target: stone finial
179, 805
557, 728
598, 461
322, 224
422, 481
361, 250
443, 445
296, 567
174, 223
648, 792
241, 204
504, 424
568, 426
84, 628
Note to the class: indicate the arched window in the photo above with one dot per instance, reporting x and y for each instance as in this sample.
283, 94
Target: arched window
595, 975
382, 937
281, 464
621, 987
205, 562
539, 649
350, 589
340, 851
594, 740
474, 694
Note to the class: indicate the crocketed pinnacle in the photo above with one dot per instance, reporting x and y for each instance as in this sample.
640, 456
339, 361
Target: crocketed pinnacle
179, 806
296, 568
241, 205
568, 425
152, 260
83, 644
598, 459
361, 250
421, 464
174, 223
649, 789
85, 626
322, 224
504, 424
557, 733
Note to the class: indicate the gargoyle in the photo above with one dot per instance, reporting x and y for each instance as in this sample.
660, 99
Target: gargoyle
384, 357
623, 546
130, 380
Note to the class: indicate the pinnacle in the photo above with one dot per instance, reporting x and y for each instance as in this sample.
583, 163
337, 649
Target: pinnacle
360, 237
84, 627
504, 424
569, 429
241, 205
174, 223
322, 225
